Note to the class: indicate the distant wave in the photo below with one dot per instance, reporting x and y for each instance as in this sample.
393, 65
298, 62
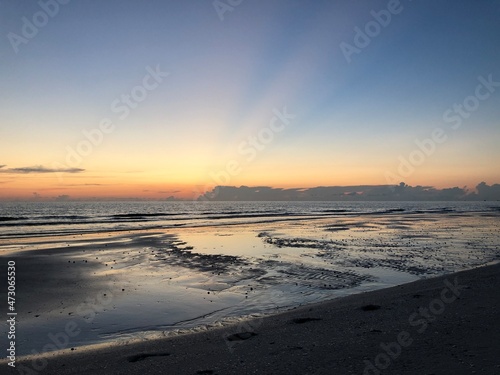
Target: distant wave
245, 215
436, 211
165, 217
57, 217
334, 211
10, 218
390, 211
46, 219
143, 215
47, 223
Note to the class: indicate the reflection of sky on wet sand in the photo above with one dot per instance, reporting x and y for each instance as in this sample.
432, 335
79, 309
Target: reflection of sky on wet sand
242, 241
157, 281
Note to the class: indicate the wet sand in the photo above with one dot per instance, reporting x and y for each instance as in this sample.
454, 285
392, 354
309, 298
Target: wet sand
443, 325
192, 279
131, 289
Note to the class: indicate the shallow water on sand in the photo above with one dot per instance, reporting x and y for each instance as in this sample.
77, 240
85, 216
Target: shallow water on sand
142, 283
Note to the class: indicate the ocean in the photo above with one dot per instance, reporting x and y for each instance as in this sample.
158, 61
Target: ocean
19, 219
122, 271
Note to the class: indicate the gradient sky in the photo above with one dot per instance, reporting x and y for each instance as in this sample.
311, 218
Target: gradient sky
353, 121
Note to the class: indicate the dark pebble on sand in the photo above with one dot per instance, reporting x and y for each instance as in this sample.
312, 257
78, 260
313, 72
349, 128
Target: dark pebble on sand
370, 307
241, 336
304, 320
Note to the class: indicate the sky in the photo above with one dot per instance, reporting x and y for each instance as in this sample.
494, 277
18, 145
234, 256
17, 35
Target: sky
165, 99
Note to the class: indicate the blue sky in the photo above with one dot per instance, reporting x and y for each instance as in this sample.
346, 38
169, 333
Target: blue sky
353, 121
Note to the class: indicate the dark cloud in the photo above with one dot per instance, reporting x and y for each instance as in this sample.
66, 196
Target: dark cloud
172, 199
487, 193
401, 192
40, 169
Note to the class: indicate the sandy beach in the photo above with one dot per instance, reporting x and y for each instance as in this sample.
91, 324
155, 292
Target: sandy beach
348, 292
442, 325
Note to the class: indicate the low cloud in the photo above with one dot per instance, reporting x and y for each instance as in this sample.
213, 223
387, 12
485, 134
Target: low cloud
401, 192
172, 199
486, 192
39, 169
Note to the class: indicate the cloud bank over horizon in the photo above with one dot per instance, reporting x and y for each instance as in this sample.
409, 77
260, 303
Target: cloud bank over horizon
401, 192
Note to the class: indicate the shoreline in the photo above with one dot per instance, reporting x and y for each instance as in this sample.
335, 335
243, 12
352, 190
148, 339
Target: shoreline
141, 285
344, 335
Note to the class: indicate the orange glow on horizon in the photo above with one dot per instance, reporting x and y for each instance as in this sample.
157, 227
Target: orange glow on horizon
75, 187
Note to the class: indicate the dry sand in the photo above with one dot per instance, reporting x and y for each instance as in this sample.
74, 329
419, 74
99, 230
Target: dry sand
443, 325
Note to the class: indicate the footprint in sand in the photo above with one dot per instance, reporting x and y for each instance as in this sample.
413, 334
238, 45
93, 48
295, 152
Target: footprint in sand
370, 307
142, 356
304, 320
241, 336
